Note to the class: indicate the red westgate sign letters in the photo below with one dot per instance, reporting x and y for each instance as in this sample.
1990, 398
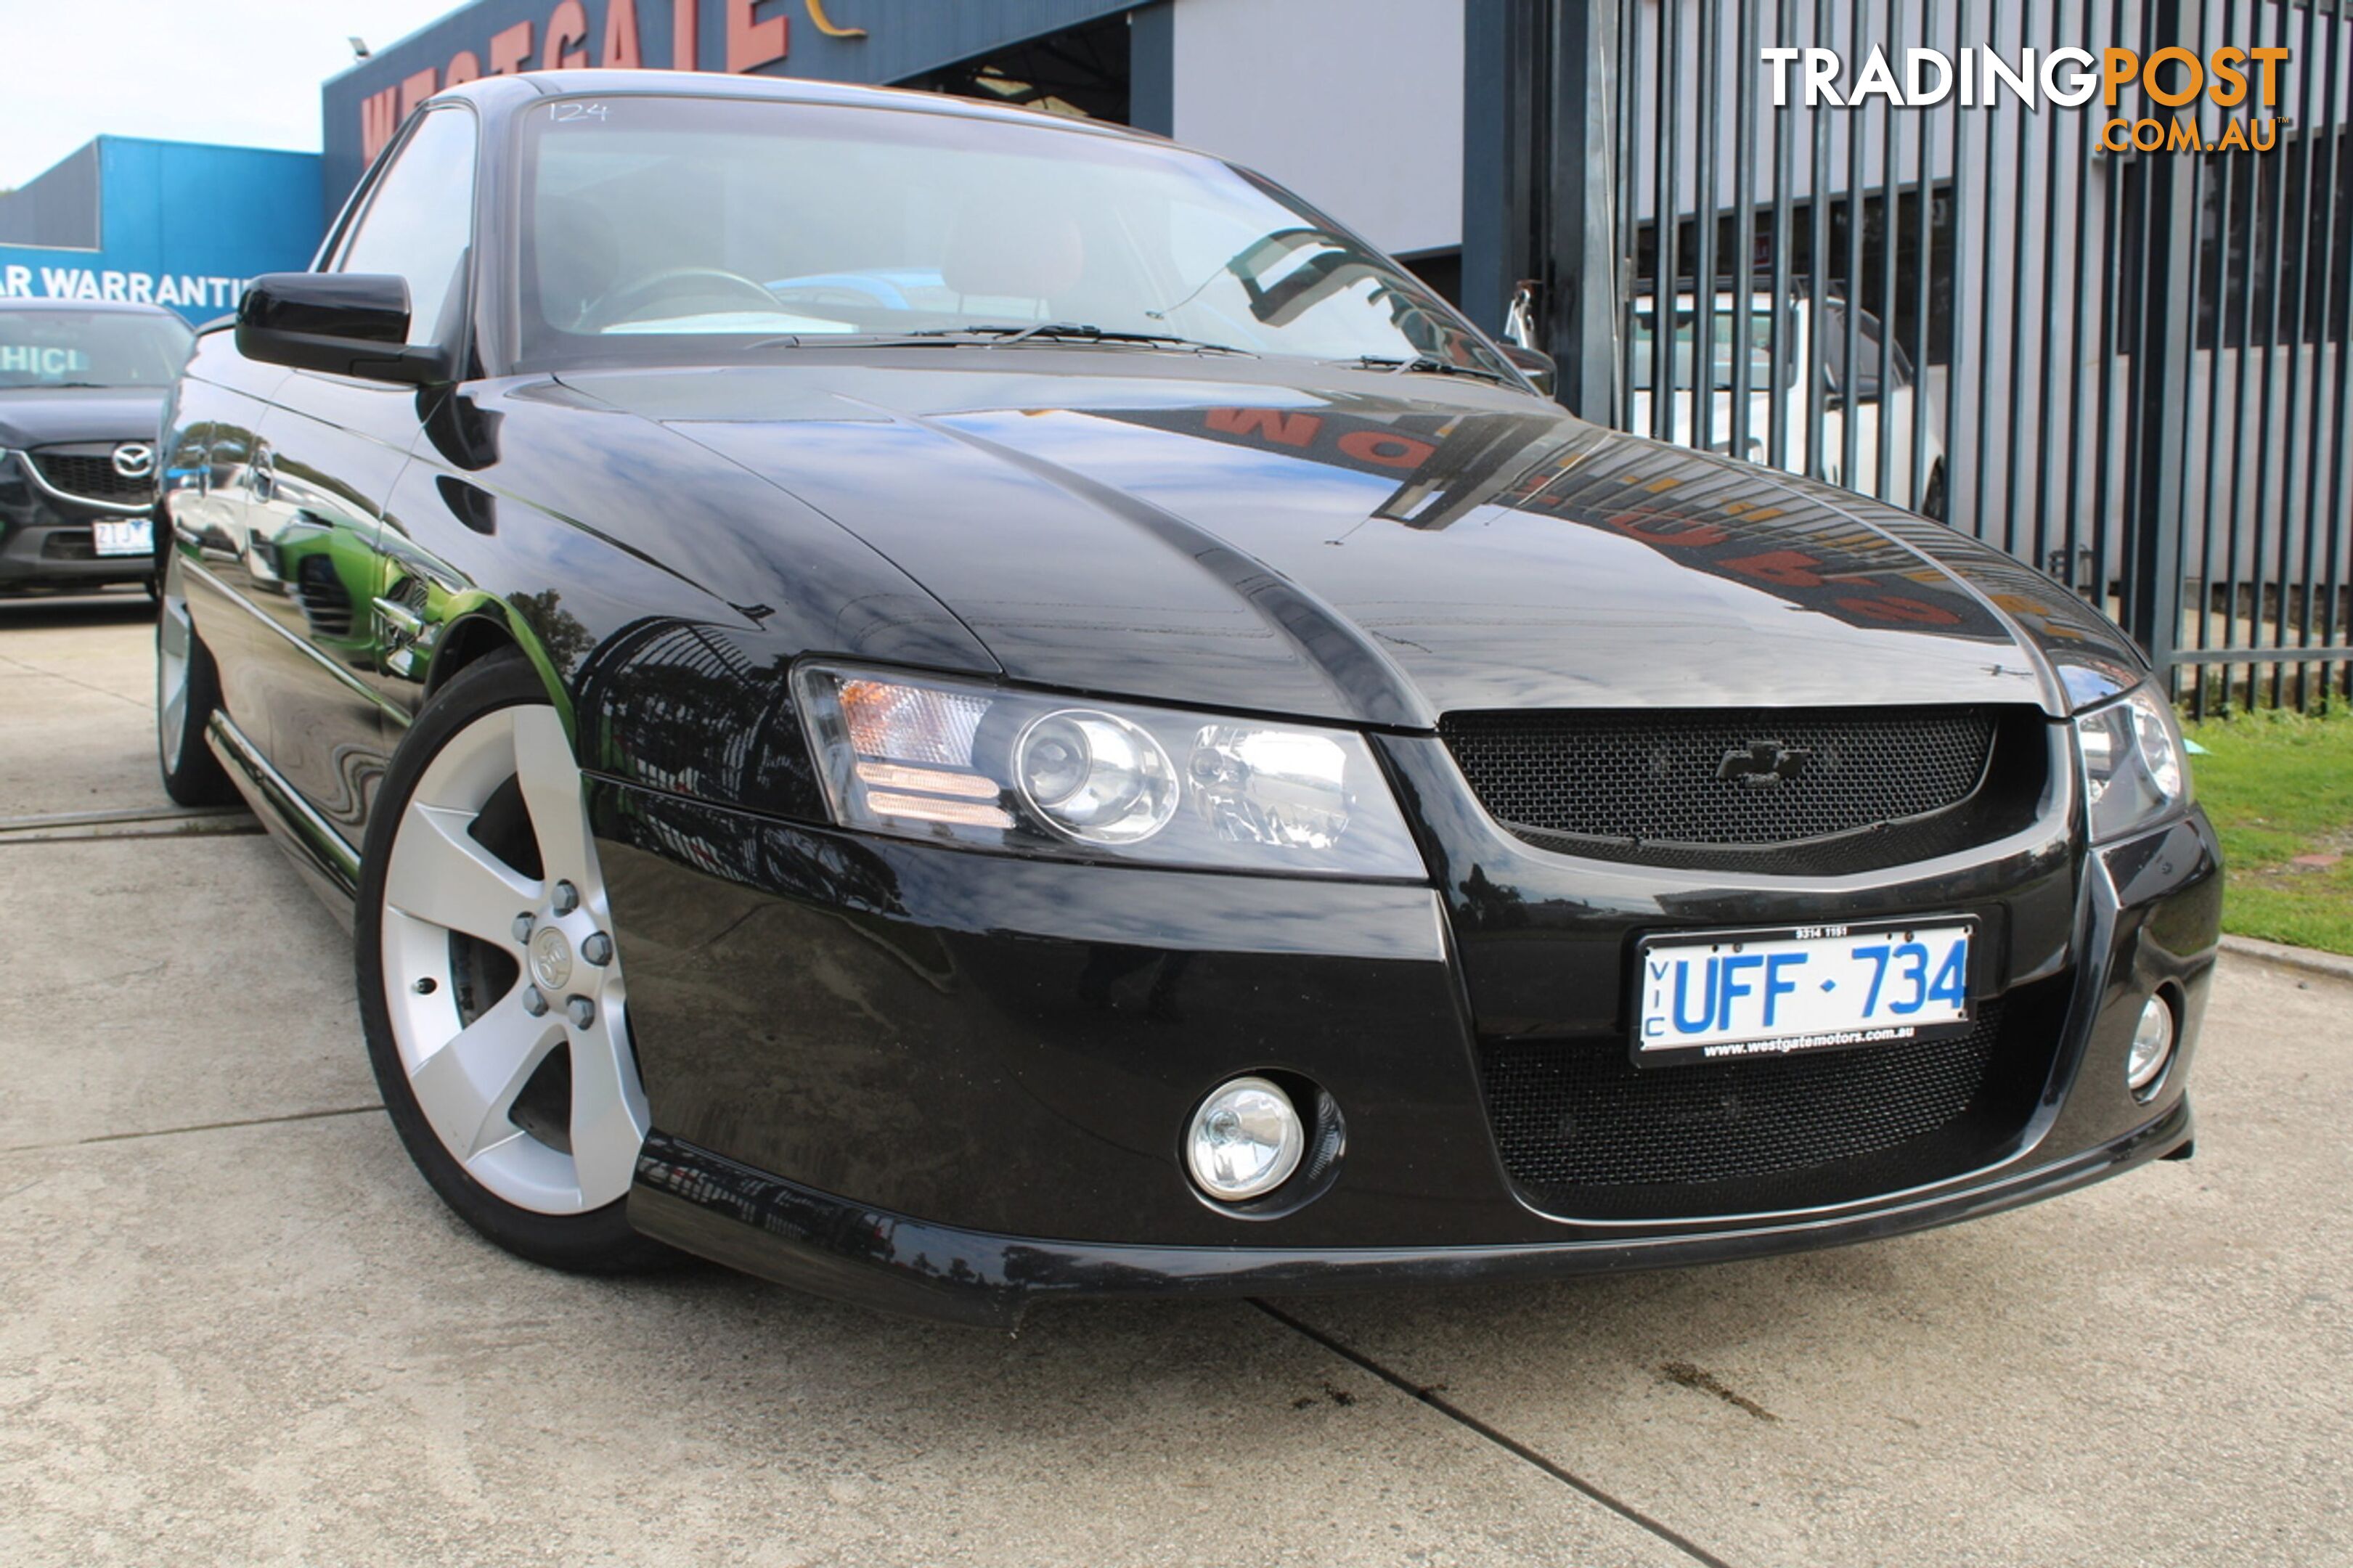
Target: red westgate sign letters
567, 41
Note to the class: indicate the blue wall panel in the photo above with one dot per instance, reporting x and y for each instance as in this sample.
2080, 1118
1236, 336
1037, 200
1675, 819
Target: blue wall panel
180, 225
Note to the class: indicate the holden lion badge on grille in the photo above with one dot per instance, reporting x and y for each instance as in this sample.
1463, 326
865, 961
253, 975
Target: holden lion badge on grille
134, 460
1766, 764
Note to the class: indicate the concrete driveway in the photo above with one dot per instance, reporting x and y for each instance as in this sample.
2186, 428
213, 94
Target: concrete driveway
234, 1327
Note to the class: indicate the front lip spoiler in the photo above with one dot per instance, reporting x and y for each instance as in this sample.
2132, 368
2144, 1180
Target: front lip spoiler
706, 1203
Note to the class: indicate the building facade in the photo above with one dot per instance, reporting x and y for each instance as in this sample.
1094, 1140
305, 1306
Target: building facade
164, 223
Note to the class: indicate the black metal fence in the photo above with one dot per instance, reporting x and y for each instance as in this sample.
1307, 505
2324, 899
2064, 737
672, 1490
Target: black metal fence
2126, 366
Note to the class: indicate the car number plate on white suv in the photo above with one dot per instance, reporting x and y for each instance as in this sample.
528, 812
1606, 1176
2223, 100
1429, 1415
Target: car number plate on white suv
1721, 995
132, 536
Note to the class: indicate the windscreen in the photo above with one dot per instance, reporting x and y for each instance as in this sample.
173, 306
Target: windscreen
91, 348
660, 228
1724, 348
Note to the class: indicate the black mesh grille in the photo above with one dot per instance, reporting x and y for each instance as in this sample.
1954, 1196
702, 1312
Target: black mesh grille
1643, 785
1586, 1133
92, 476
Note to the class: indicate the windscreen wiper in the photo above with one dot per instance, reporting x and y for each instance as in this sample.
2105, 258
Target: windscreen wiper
1075, 332
986, 336
1427, 365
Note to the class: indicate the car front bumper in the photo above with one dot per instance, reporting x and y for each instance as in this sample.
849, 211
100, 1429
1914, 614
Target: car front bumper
953, 1083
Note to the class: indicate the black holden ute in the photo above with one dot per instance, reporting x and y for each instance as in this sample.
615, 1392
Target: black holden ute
953, 707
82, 384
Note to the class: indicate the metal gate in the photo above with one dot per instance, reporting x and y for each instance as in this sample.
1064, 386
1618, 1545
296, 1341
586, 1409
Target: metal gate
2109, 337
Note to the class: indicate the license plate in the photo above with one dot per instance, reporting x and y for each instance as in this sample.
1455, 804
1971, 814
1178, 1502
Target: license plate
132, 536
1722, 995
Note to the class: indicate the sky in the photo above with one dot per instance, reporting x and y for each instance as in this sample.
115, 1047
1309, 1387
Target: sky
243, 72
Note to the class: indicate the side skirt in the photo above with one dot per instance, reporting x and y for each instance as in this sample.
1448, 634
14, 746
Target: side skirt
328, 863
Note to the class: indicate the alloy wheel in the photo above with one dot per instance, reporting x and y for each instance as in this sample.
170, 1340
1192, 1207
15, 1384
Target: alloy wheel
174, 635
502, 979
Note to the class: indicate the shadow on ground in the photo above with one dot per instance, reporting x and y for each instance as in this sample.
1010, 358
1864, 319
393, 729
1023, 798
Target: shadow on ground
74, 610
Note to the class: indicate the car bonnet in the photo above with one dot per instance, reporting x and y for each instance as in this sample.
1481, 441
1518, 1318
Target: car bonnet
1378, 549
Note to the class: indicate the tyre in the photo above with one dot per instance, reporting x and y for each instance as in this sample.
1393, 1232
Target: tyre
489, 982
187, 692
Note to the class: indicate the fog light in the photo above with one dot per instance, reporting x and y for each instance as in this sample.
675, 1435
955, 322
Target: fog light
1245, 1140
2152, 1047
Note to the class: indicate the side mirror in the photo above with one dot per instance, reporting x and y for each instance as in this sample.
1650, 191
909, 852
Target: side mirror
1536, 365
344, 323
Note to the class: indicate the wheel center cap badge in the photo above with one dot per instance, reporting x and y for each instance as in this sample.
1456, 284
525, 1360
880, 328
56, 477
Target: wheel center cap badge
551, 959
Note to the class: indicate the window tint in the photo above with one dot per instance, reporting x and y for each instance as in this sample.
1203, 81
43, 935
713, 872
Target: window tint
420, 218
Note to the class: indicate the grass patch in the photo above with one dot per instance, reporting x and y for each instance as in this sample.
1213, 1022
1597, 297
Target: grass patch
2279, 787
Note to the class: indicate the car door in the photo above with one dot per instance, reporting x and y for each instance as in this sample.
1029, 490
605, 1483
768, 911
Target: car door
332, 448
311, 525
223, 403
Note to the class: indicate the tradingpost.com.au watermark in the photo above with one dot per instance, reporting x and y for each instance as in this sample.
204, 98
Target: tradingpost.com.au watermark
2229, 77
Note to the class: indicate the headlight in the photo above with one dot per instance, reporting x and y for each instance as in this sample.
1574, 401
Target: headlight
1094, 776
2133, 767
932, 758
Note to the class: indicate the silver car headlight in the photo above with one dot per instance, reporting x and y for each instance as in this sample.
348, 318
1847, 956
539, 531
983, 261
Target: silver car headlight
2136, 768
1022, 773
